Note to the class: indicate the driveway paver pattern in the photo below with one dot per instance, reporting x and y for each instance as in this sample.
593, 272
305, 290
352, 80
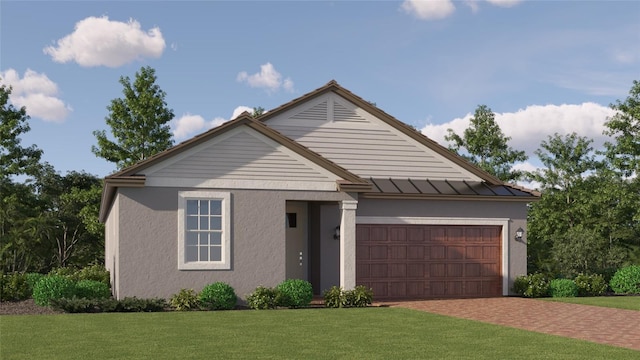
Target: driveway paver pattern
617, 327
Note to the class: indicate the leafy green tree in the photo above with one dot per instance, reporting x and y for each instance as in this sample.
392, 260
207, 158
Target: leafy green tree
139, 122
586, 251
257, 111
14, 158
584, 219
624, 127
487, 146
17, 200
66, 205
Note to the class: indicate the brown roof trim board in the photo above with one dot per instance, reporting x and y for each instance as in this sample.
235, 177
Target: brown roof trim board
129, 177
399, 125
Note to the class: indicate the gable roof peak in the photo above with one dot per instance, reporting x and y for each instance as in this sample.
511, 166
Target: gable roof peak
244, 114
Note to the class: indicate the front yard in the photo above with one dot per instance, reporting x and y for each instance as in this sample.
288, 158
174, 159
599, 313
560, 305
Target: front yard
369, 333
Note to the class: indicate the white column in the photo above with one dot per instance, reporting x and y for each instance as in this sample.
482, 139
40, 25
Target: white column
348, 244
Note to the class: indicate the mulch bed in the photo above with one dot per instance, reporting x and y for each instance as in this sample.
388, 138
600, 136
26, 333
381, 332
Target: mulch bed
26, 307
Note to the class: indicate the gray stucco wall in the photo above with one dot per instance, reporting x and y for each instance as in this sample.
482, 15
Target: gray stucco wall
515, 211
148, 248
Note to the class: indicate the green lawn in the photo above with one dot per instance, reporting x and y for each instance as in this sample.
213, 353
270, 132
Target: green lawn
620, 302
372, 333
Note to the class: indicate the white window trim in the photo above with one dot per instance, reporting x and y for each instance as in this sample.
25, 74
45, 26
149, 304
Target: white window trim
504, 222
225, 263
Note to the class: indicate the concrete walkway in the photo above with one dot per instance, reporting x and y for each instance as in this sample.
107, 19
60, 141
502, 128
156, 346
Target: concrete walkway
603, 325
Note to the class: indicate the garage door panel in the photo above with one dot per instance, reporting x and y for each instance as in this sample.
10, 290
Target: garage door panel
472, 287
415, 234
415, 270
379, 234
398, 270
379, 271
398, 234
473, 269
429, 261
437, 252
397, 253
436, 288
455, 270
363, 271
437, 270
455, 252
378, 252
415, 252
473, 252
454, 288
415, 288
397, 289
490, 270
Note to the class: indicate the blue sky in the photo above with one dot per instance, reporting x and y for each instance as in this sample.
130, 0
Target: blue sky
541, 66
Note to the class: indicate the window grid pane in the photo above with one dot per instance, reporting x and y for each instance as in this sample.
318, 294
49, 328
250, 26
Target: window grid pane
204, 231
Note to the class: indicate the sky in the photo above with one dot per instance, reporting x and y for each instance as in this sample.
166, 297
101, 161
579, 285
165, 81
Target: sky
543, 67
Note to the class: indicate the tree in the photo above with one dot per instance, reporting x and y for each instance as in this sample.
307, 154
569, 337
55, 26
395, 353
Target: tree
487, 146
257, 112
65, 202
566, 159
17, 201
624, 127
15, 159
139, 122
584, 219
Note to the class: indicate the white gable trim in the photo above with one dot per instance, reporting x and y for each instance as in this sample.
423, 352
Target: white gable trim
504, 222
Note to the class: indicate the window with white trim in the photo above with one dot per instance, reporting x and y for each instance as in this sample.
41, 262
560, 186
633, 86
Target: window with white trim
204, 230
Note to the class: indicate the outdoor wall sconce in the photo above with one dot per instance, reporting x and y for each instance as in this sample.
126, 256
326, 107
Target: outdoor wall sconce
336, 233
519, 234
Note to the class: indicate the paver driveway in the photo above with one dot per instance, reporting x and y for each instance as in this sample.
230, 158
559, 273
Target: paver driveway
616, 327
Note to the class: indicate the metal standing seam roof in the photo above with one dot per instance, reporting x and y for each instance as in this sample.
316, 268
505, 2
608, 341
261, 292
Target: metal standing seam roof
389, 186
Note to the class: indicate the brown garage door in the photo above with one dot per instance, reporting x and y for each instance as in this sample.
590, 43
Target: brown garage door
429, 261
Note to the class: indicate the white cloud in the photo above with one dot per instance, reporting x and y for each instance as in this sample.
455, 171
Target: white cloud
428, 10
440, 9
528, 127
268, 78
98, 41
504, 3
37, 93
189, 125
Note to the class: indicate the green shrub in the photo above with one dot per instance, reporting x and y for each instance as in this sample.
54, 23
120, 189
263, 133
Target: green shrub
92, 289
63, 271
626, 280
334, 298
263, 298
590, 285
563, 288
32, 279
532, 285
14, 287
84, 305
134, 304
360, 296
53, 287
186, 299
93, 272
129, 304
218, 296
294, 293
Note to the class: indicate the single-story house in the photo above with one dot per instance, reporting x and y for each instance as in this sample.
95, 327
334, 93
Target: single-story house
326, 188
